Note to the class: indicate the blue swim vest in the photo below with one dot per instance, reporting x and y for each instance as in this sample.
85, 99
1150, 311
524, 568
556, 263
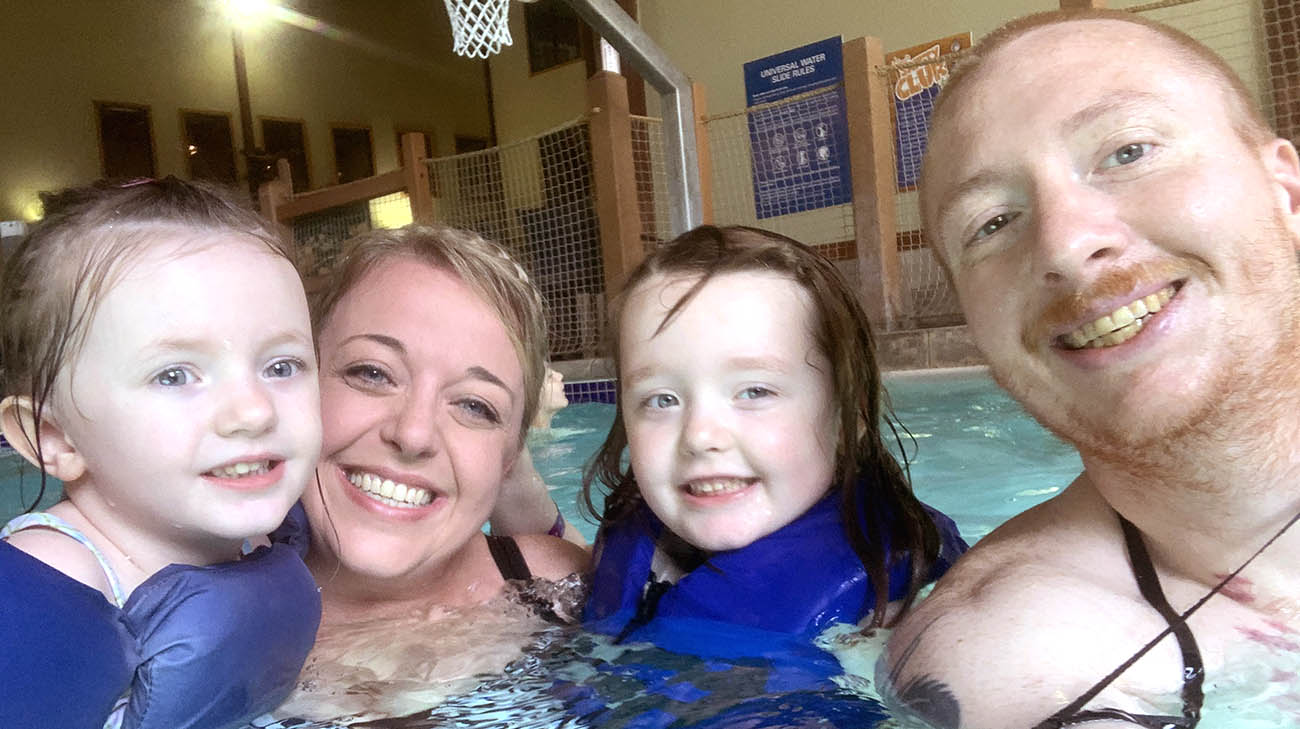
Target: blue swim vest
197, 647
779, 592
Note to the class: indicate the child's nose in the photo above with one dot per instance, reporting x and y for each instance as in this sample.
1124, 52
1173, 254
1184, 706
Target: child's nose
704, 430
246, 410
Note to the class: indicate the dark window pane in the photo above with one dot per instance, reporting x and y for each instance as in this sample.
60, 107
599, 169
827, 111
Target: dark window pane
553, 36
352, 154
210, 147
126, 140
285, 140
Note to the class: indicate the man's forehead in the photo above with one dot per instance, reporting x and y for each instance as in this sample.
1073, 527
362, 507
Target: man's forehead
1081, 58
1073, 46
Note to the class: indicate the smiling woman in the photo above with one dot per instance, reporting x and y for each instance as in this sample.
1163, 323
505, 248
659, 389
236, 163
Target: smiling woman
432, 346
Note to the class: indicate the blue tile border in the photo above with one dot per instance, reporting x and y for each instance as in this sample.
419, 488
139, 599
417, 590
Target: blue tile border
605, 391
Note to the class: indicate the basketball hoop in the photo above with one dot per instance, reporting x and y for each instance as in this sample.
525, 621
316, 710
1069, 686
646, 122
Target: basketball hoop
479, 27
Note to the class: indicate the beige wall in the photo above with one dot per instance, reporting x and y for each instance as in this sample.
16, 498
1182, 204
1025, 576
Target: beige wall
710, 40
525, 103
385, 63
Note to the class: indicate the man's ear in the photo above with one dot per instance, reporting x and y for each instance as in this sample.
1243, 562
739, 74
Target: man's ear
58, 456
1283, 165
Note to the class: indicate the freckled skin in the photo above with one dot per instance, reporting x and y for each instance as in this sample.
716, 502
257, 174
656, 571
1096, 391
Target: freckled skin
1055, 204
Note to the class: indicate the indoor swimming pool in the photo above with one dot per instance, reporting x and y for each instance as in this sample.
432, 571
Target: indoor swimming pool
974, 454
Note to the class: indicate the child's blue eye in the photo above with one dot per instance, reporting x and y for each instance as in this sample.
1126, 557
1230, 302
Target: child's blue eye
173, 377
660, 401
283, 368
755, 392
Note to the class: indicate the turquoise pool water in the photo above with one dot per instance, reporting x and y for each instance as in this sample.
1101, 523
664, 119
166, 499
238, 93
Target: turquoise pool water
975, 454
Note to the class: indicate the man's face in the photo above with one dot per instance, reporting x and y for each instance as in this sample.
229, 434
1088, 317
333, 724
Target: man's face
1122, 255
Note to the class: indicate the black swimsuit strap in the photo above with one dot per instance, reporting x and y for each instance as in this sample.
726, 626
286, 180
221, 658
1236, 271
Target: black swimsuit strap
1149, 585
1148, 582
1065, 718
510, 561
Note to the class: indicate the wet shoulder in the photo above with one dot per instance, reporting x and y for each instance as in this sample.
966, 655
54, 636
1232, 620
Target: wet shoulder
553, 558
1045, 606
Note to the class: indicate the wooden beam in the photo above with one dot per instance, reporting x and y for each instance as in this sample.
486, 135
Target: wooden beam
871, 154
349, 192
613, 169
416, 174
700, 100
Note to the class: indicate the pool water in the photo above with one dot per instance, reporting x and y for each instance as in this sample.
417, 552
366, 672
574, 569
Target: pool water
974, 455
974, 452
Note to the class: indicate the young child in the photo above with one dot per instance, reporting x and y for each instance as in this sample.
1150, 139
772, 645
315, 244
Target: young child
156, 358
759, 492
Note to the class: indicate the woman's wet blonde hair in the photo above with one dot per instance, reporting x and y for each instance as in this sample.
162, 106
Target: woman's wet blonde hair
483, 265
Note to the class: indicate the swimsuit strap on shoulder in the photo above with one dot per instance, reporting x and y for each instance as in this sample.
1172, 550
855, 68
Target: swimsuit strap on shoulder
46, 520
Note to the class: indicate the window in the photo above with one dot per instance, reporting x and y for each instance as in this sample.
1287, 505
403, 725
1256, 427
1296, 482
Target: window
553, 34
125, 140
209, 146
465, 143
285, 139
353, 155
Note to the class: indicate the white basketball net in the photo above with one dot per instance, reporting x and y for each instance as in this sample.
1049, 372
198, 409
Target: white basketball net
479, 27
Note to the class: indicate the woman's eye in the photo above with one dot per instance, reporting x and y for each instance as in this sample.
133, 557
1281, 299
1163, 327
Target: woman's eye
368, 374
479, 410
1127, 154
174, 377
284, 368
755, 392
660, 401
994, 224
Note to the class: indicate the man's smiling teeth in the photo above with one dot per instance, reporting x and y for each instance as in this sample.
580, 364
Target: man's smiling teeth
1120, 325
239, 470
388, 492
714, 486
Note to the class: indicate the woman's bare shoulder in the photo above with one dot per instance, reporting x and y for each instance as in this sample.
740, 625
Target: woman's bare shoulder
551, 557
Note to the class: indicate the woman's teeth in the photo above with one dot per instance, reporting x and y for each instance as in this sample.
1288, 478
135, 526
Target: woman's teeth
239, 470
717, 486
386, 491
1120, 325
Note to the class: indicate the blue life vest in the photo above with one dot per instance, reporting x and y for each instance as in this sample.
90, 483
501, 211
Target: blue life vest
778, 592
197, 647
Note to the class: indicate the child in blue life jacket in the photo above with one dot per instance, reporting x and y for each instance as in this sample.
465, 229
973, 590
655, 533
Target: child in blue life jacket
156, 357
759, 493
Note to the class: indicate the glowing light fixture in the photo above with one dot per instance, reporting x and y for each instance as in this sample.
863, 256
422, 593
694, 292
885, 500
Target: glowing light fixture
248, 13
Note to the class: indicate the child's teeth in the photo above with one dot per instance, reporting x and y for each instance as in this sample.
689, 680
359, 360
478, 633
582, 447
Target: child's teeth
241, 469
714, 486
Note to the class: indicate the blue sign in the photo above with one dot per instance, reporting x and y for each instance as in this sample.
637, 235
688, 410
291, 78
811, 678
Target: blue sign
914, 94
799, 149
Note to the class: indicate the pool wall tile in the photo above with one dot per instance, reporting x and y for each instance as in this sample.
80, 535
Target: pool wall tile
953, 347
605, 391
902, 350
927, 349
